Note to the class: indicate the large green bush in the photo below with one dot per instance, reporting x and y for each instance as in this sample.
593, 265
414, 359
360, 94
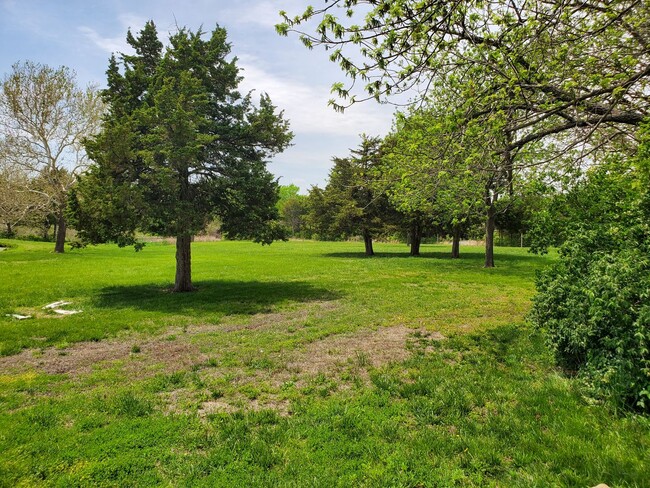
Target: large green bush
594, 303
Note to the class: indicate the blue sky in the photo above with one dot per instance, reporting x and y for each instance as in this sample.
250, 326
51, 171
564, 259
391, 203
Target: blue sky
82, 34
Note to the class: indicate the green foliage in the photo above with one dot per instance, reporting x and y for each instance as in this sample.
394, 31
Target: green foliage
594, 303
562, 77
293, 208
524, 213
287, 192
180, 146
352, 203
432, 167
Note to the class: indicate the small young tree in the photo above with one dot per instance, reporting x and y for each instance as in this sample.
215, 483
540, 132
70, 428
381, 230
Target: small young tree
44, 119
180, 146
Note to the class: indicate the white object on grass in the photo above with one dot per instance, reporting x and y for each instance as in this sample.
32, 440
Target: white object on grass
57, 304
65, 312
18, 316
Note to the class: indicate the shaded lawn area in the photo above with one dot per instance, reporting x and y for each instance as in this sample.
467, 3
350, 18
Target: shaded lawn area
264, 376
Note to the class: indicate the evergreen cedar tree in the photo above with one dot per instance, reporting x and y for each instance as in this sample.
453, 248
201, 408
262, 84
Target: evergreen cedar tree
350, 204
180, 146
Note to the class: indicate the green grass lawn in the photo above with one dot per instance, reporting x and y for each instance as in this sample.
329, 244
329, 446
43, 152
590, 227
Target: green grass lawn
298, 364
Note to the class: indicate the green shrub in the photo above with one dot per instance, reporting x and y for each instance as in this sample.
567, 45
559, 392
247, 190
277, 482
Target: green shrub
594, 303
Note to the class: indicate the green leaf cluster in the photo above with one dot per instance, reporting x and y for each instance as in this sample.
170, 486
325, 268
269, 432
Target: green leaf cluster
549, 67
433, 167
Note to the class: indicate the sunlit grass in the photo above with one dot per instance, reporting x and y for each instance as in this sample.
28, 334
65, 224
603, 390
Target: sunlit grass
118, 289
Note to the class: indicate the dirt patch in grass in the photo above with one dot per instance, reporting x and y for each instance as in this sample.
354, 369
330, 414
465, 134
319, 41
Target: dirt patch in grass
282, 407
321, 365
177, 354
82, 357
366, 348
334, 362
216, 406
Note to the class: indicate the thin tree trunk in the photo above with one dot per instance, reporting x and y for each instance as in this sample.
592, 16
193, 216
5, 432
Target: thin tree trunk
10, 231
367, 240
59, 245
416, 239
455, 243
183, 264
489, 235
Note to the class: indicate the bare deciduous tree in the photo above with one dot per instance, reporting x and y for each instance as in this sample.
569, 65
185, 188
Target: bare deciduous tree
44, 118
20, 201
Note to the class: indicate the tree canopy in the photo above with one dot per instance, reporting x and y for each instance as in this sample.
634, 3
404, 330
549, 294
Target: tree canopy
351, 203
552, 66
180, 146
433, 167
292, 207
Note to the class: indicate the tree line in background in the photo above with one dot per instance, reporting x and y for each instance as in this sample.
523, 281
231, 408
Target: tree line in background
381, 191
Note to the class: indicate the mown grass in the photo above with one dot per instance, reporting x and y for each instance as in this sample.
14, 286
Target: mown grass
119, 289
482, 406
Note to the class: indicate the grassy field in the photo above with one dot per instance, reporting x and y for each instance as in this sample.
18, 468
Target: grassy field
299, 364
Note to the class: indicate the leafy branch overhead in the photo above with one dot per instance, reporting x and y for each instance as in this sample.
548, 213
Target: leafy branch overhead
552, 66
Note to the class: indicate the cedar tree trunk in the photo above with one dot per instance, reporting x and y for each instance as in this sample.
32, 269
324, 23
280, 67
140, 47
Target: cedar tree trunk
59, 246
455, 243
367, 240
416, 238
490, 224
183, 263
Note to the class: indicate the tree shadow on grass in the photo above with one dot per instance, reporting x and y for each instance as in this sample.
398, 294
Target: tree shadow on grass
215, 296
472, 256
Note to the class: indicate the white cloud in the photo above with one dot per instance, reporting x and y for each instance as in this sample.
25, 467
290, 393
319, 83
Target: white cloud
117, 43
265, 13
306, 105
108, 44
